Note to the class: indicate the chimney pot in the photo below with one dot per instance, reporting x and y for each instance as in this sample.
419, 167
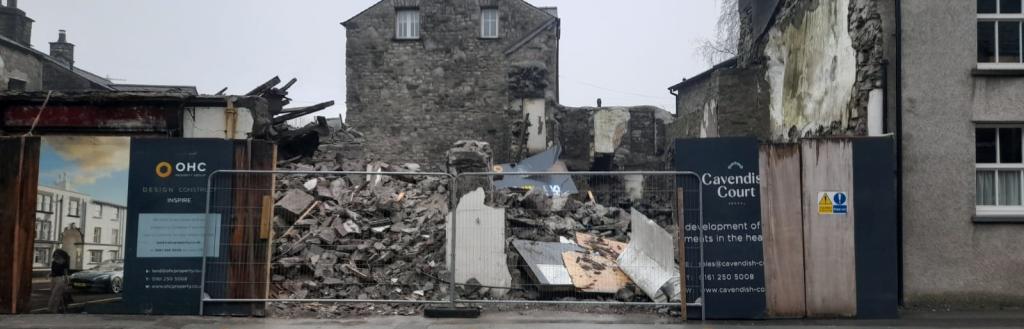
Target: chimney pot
62, 37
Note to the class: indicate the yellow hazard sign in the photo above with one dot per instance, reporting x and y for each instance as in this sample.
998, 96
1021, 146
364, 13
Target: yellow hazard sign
825, 205
833, 203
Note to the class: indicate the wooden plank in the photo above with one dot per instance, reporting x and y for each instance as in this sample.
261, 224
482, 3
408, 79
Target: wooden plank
829, 260
266, 215
248, 274
680, 211
594, 274
781, 215
18, 181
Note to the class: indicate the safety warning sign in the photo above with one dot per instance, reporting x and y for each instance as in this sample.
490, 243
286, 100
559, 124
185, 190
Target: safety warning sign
832, 203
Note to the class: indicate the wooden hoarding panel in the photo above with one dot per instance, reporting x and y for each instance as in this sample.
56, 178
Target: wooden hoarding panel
19, 167
783, 230
830, 270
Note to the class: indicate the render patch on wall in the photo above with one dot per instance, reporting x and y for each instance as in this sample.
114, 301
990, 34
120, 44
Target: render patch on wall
609, 127
812, 68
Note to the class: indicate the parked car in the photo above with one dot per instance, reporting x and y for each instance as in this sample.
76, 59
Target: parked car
108, 276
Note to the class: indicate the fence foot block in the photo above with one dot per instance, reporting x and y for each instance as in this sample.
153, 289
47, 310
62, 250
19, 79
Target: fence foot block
452, 312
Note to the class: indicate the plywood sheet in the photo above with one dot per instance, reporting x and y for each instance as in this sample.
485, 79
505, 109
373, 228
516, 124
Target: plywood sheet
604, 247
830, 270
593, 273
782, 217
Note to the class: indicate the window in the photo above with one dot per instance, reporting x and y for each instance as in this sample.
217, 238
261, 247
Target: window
16, 85
73, 205
117, 215
489, 23
117, 236
97, 233
44, 203
99, 210
95, 256
407, 24
1000, 34
42, 256
113, 254
42, 230
999, 163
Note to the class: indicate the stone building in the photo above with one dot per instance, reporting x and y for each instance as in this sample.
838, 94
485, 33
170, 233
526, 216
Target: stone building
90, 230
423, 74
23, 68
796, 75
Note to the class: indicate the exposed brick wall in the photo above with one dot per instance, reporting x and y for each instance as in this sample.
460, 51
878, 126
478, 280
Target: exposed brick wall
414, 98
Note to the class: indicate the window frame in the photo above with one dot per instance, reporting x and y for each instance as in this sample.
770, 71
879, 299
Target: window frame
92, 256
999, 211
412, 26
74, 207
484, 23
97, 235
999, 17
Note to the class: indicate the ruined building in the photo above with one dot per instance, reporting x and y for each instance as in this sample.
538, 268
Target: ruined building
423, 74
796, 74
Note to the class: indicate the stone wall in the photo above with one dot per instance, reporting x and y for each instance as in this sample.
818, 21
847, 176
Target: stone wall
640, 144
414, 98
57, 76
16, 64
819, 77
730, 102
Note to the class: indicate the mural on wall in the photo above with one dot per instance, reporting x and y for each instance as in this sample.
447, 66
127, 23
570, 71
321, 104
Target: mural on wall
82, 201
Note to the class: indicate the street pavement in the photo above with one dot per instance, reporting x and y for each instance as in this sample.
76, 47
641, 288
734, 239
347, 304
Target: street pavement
507, 320
41, 296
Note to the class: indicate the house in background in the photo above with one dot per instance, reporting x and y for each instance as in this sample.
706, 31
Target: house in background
23, 68
90, 230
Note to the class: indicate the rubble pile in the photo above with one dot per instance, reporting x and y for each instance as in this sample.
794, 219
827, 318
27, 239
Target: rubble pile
359, 236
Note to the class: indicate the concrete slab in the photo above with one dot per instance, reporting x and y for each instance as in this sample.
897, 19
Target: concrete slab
648, 259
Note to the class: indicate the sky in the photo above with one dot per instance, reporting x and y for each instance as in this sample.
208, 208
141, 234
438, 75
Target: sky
95, 166
626, 52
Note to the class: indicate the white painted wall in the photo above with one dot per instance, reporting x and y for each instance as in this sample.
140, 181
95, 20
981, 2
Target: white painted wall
209, 122
812, 68
534, 110
610, 124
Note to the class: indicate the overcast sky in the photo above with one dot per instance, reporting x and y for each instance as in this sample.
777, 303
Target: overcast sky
626, 52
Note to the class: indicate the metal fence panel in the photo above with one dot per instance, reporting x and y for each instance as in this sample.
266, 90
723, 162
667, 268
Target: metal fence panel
358, 237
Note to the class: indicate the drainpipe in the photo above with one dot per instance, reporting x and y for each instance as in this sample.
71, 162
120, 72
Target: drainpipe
899, 150
230, 116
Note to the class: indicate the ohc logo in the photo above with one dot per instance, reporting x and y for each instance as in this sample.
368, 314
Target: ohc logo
165, 169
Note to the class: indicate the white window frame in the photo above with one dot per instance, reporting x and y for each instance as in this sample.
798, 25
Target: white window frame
97, 235
1019, 18
93, 254
486, 22
407, 23
998, 211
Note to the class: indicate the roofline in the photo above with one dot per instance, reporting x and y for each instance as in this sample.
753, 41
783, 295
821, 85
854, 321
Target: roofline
343, 23
63, 66
529, 37
704, 75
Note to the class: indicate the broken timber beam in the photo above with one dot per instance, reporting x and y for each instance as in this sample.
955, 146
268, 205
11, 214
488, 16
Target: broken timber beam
264, 87
288, 114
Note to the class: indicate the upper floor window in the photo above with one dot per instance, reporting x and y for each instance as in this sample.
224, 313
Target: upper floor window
1000, 34
73, 207
489, 22
44, 203
97, 235
407, 24
999, 167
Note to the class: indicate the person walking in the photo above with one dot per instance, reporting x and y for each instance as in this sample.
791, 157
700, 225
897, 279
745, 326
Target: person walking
60, 268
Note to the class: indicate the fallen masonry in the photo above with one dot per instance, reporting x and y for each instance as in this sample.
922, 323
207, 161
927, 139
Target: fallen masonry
383, 236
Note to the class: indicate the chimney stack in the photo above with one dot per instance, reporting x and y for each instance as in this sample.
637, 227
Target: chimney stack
15, 24
62, 50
